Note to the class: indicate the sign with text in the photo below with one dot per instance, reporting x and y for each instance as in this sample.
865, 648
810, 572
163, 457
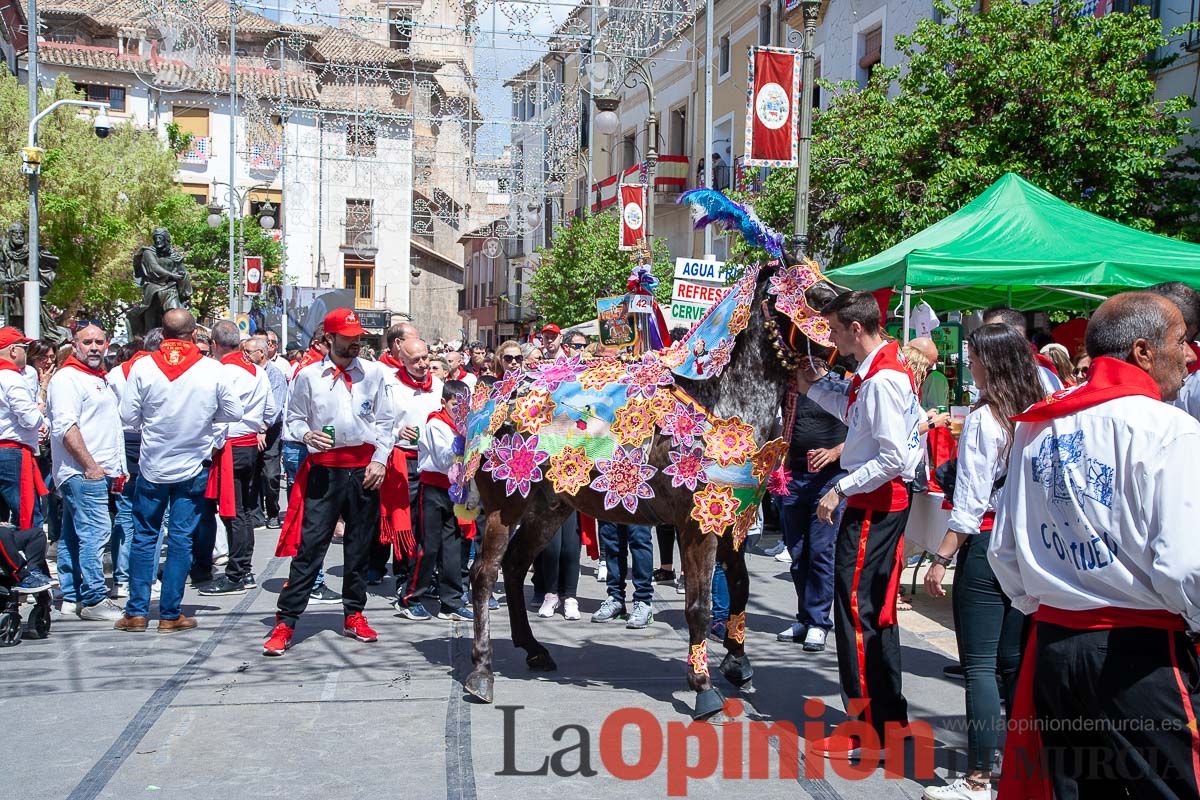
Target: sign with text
688, 313
640, 303
691, 269
705, 294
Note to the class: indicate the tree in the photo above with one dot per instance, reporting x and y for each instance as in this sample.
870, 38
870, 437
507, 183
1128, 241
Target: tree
583, 262
1066, 101
100, 198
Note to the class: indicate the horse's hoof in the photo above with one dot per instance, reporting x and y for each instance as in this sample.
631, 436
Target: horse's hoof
479, 685
540, 662
708, 705
738, 670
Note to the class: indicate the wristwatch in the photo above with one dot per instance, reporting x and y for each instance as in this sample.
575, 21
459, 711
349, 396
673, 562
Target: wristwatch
838, 491
939, 559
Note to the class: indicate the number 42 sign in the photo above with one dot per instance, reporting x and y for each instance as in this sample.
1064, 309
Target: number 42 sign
640, 304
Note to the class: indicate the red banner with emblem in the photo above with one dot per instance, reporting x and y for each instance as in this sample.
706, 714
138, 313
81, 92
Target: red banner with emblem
254, 274
772, 121
633, 215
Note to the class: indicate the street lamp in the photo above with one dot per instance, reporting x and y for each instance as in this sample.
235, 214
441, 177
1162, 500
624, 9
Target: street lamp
266, 221
606, 121
31, 158
811, 9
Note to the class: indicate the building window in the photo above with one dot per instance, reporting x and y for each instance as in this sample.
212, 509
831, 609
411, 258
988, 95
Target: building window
764, 25
360, 278
360, 140
816, 95
360, 224
113, 95
400, 29
723, 57
191, 120
197, 191
870, 45
679, 142
629, 151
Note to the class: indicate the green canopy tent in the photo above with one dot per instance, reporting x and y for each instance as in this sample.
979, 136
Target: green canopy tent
1021, 246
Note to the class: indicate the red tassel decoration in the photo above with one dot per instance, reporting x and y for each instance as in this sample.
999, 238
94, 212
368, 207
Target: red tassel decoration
777, 482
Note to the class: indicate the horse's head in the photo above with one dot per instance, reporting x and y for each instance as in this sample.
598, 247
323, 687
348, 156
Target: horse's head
792, 293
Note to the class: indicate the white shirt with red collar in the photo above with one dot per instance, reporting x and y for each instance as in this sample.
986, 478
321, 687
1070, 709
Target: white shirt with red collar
363, 415
413, 406
435, 448
76, 398
253, 388
20, 416
176, 415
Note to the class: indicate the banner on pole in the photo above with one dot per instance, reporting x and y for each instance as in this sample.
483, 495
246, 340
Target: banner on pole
633, 215
772, 121
254, 274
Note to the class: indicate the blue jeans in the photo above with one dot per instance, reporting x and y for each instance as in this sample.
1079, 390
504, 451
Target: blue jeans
85, 533
620, 544
122, 532
810, 542
151, 501
10, 485
720, 595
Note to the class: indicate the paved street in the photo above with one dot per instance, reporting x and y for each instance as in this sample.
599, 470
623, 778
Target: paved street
102, 714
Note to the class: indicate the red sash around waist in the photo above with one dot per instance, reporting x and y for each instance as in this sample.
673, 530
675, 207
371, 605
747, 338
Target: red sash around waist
1023, 746
339, 457
220, 478
892, 496
434, 479
395, 509
32, 485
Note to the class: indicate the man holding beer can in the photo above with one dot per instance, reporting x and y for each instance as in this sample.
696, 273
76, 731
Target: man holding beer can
341, 408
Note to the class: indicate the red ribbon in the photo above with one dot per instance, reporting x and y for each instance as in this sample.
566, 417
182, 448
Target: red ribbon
32, 485
220, 478
1023, 745
395, 510
340, 457
176, 357
1107, 380
74, 363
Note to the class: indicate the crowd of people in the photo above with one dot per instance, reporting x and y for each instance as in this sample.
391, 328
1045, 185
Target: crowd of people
1067, 531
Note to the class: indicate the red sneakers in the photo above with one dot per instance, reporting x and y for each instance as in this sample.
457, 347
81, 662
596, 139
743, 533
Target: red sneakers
357, 628
843, 747
279, 640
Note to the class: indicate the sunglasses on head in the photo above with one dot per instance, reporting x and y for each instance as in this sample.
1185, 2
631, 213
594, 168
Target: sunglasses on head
517, 359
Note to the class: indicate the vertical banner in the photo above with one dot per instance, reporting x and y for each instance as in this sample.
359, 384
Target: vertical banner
772, 119
633, 215
253, 271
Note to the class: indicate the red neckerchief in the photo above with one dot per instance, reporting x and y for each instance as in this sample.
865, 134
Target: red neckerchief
5, 364
312, 356
238, 359
176, 357
343, 374
1045, 361
390, 361
128, 365
74, 363
461, 373
888, 357
411, 382
1107, 380
1195, 365
446, 418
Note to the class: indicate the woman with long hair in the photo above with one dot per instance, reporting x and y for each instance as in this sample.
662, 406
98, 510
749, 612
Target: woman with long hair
508, 357
1062, 362
987, 627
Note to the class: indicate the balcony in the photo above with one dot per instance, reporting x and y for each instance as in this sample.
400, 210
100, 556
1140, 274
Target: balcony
670, 177
198, 151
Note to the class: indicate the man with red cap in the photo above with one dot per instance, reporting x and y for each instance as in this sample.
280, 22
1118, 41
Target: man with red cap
341, 408
551, 342
174, 396
21, 419
1094, 538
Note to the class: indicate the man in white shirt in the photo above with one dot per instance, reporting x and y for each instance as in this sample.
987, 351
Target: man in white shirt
175, 397
273, 356
881, 455
1095, 537
1187, 300
87, 448
21, 419
236, 476
341, 408
455, 370
394, 339
1047, 375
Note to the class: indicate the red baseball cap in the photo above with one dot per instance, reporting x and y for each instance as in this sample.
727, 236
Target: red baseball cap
11, 336
550, 327
343, 321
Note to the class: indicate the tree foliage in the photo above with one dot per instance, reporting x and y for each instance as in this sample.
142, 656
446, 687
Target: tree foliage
1066, 101
583, 262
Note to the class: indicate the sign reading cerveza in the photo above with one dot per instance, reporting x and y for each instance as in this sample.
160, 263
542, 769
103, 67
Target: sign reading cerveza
699, 285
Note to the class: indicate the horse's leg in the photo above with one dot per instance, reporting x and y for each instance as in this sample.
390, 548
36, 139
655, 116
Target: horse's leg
698, 553
736, 664
538, 526
493, 539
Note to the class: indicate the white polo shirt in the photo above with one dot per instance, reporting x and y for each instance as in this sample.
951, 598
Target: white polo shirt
80, 399
20, 417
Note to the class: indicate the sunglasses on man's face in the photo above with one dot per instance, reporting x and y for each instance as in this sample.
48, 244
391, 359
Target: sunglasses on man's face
512, 359
576, 345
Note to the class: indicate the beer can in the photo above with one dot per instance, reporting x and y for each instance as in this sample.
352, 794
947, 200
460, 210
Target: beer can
328, 431
811, 467
416, 436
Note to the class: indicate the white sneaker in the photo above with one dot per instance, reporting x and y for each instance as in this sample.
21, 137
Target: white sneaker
120, 590
783, 557
602, 573
570, 608
156, 589
959, 790
814, 639
680, 585
549, 605
68, 609
104, 611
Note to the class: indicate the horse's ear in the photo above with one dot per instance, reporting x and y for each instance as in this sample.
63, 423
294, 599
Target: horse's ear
821, 294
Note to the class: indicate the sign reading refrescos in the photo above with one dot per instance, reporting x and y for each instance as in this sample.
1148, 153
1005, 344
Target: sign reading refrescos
699, 285
772, 123
254, 274
633, 215
706, 294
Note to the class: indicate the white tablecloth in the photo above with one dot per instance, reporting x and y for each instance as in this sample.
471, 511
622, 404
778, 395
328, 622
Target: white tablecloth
927, 523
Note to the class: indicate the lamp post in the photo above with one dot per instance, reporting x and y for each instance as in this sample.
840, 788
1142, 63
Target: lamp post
31, 165
237, 238
811, 10
607, 102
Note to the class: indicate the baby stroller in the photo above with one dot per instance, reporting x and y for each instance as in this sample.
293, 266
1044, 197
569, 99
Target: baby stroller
22, 552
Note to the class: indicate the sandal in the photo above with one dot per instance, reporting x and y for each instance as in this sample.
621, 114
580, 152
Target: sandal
902, 604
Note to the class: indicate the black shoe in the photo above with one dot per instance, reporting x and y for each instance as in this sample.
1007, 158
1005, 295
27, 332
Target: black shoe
954, 672
323, 596
249, 581
274, 524
223, 585
199, 579
663, 575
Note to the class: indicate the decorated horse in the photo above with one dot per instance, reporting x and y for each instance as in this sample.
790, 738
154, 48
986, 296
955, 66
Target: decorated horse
689, 436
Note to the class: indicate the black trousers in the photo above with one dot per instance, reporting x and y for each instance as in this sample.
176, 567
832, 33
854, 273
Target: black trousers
439, 544
332, 493
558, 562
402, 568
666, 544
868, 654
271, 469
247, 474
1115, 708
